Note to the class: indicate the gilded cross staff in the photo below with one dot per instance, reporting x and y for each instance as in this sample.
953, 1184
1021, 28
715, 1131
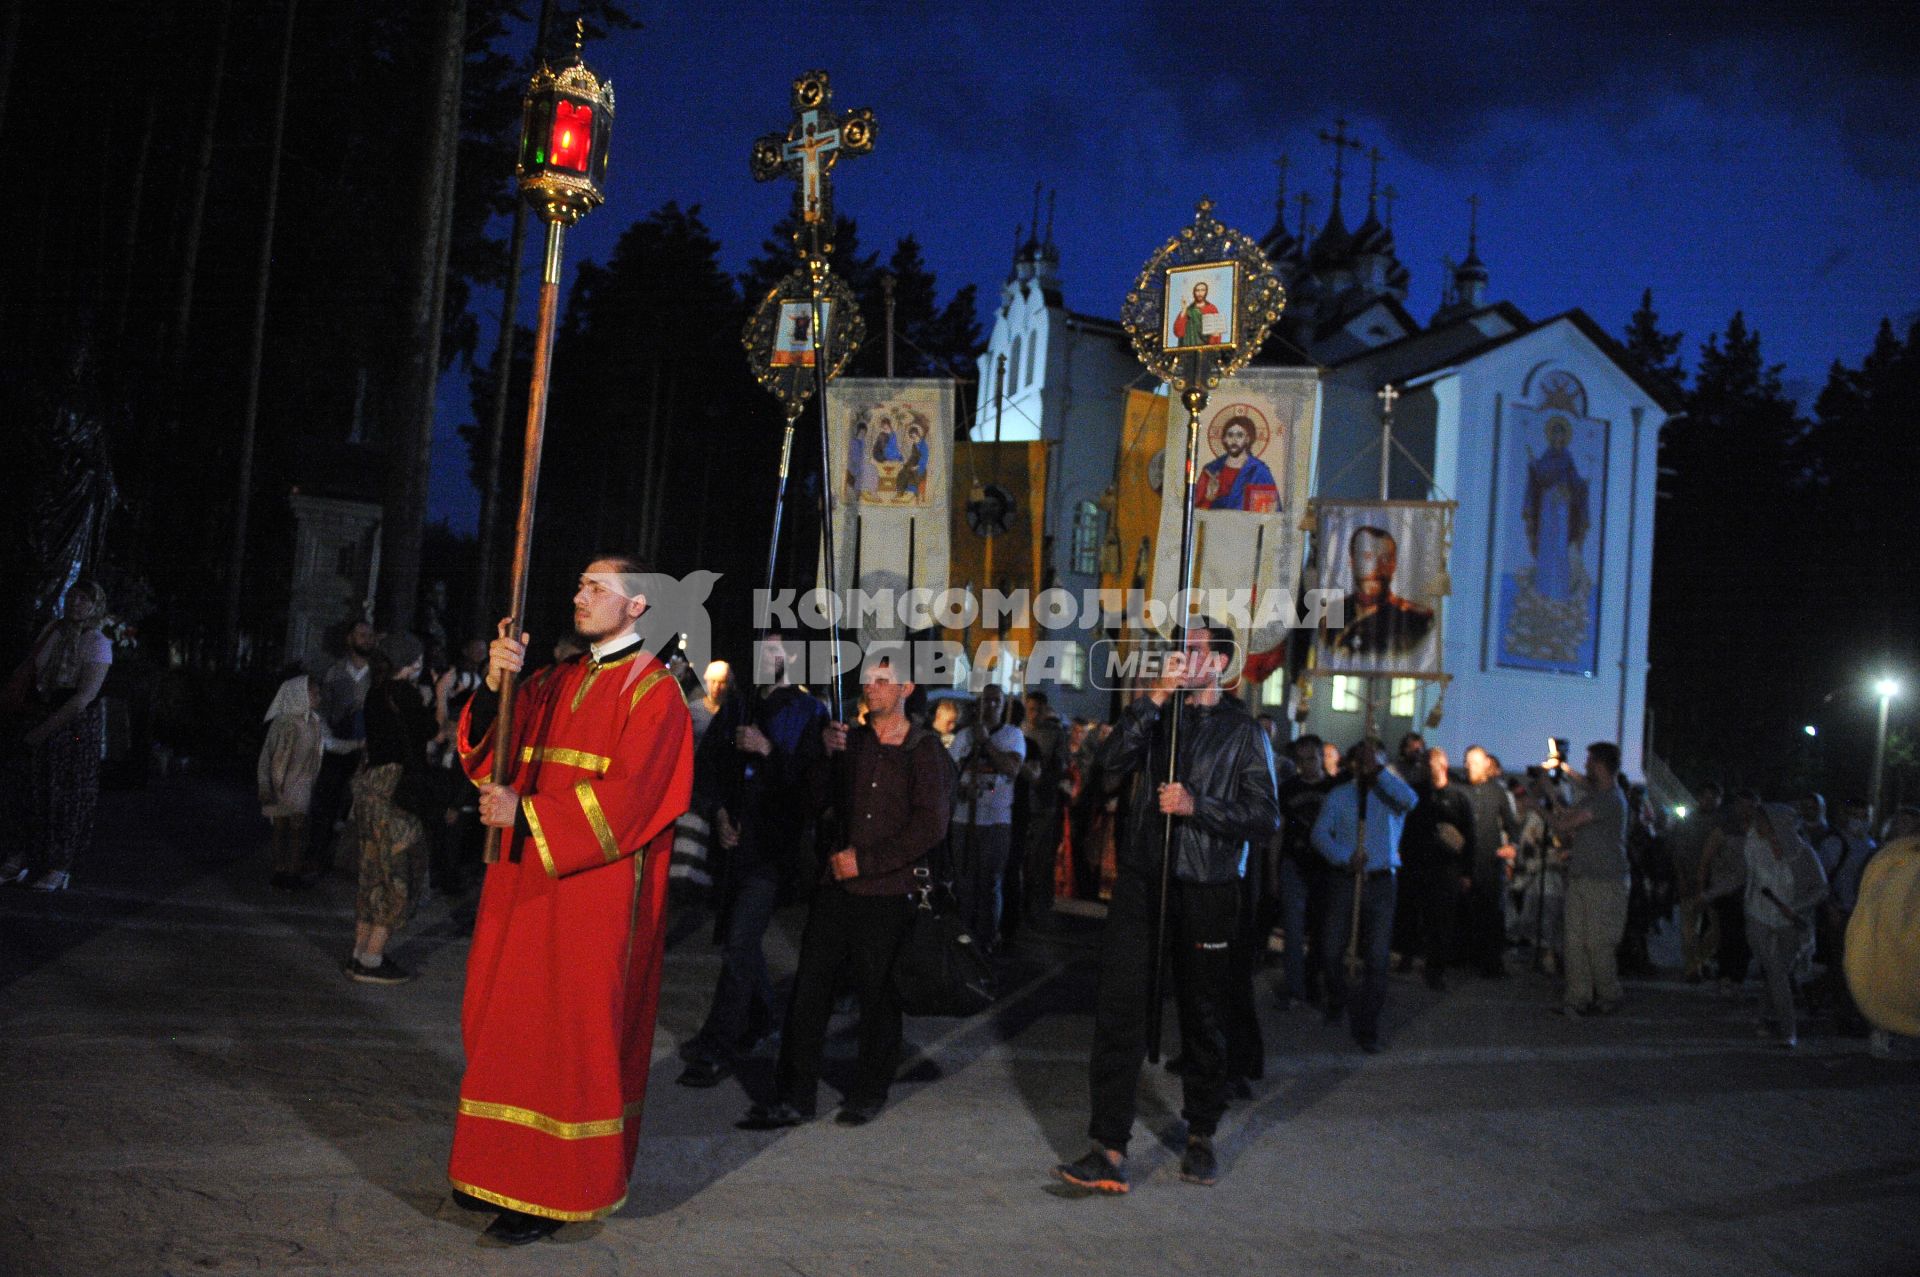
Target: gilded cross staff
807, 152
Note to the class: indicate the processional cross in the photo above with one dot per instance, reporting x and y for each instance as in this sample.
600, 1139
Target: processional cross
807, 152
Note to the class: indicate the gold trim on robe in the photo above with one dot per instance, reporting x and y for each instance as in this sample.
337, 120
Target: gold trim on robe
590, 804
539, 836
530, 1208
567, 757
647, 684
541, 1122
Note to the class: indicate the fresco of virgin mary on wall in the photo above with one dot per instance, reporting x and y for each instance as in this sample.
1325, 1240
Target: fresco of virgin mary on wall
1550, 522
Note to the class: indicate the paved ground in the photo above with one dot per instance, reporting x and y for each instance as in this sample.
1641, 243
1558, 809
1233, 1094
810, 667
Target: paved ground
188, 1085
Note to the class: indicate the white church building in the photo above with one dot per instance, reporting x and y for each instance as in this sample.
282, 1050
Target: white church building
1539, 429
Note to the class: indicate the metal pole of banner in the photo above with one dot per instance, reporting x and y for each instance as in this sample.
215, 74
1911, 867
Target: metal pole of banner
1194, 399
779, 507
529, 488
817, 293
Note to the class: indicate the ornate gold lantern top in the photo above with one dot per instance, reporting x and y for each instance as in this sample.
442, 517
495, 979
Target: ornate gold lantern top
566, 123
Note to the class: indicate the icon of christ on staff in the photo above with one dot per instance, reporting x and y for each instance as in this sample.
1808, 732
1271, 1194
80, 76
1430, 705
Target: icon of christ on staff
1237, 479
1200, 304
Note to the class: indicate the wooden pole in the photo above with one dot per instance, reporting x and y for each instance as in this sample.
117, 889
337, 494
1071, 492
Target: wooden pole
502, 381
1194, 400
250, 419
817, 268
529, 491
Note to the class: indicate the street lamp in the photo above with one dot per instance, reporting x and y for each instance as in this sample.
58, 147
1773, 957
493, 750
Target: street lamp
1886, 689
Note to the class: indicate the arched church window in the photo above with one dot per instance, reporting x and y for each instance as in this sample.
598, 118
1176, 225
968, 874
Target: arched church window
1013, 366
1033, 350
1089, 530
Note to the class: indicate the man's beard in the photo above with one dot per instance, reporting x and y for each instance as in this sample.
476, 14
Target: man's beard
585, 636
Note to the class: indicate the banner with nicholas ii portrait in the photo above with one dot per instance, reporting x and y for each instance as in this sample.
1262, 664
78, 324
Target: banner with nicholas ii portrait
1388, 562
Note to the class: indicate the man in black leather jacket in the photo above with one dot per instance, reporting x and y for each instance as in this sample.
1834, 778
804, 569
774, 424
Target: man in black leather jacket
1225, 807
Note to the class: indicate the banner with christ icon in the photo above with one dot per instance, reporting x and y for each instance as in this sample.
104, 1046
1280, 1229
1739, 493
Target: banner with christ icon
1387, 561
892, 453
1550, 522
1254, 466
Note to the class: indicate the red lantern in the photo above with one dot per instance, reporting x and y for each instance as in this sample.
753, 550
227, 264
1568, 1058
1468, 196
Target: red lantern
564, 131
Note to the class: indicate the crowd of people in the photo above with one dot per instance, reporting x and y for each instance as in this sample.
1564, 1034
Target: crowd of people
1254, 860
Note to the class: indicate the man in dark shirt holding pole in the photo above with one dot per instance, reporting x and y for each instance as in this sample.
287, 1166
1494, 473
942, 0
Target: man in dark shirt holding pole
890, 785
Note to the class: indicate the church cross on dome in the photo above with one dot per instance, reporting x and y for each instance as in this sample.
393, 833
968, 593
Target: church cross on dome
1340, 143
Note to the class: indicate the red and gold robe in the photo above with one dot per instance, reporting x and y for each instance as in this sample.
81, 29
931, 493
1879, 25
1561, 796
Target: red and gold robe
563, 980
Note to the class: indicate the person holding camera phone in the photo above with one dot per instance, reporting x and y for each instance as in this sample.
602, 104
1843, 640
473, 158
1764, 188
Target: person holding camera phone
1594, 830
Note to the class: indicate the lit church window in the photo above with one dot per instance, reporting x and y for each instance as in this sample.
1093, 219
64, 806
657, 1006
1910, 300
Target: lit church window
1348, 695
1400, 700
1089, 530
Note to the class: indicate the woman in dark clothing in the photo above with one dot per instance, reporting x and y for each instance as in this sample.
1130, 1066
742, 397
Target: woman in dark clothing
387, 796
57, 690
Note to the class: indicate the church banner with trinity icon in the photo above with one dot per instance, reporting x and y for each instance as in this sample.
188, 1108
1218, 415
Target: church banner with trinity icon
1255, 463
892, 454
1549, 511
1388, 562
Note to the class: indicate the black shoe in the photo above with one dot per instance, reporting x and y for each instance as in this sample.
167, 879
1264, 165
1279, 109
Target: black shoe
388, 972
1176, 1065
1334, 1015
852, 1114
284, 882
1240, 1088
702, 1074
777, 1116
1198, 1165
515, 1228
1370, 1045
1095, 1172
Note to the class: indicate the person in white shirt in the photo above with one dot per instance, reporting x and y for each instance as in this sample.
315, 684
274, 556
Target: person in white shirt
990, 754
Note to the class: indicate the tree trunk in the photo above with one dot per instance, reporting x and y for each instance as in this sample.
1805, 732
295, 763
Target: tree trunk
243, 495
197, 201
483, 595
411, 456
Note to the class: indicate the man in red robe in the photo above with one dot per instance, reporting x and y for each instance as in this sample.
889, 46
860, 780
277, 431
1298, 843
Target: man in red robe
563, 980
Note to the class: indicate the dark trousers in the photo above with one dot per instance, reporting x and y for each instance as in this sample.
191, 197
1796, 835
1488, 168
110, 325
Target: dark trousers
742, 1006
1042, 850
980, 865
1202, 921
331, 796
1433, 893
1363, 1005
860, 935
1735, 955
1486, 919
1246, 1047
1303, 912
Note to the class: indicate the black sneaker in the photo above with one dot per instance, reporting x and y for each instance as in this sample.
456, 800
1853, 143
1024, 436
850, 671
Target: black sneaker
852, 1114
1094, 1171
777, 1116
1198, 1165
388, 972
702, 1074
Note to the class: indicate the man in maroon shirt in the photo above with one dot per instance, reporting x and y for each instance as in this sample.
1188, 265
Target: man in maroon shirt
890, 785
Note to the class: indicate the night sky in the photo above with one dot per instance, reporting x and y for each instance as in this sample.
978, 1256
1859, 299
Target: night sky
1754, 157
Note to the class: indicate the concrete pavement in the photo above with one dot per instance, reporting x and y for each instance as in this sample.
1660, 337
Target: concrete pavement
189, 1085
